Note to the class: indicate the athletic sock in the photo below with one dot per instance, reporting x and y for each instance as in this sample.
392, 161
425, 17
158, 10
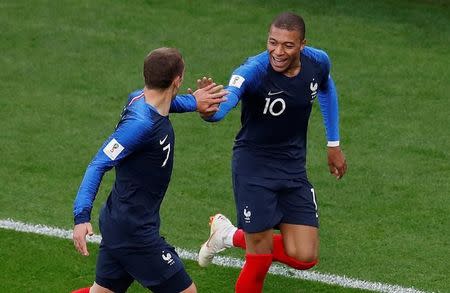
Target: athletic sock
239, 239
251, 278
278, 251
82, 290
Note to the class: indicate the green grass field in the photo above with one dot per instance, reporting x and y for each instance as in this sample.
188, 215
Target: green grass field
67, 67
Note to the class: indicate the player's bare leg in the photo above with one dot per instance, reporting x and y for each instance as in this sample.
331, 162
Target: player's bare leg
297, 246
259, 243
300, 242
96, 288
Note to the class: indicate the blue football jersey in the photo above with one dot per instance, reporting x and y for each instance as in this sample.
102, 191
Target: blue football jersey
275, 113
141, 151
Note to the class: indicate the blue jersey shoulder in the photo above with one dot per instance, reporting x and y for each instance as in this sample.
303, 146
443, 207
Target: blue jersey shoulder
138, 109
318, 56
257, 64
134, 94
248, 74
261, 60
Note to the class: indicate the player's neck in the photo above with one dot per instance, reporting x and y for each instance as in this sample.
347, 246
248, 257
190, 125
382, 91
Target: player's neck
294, 69
159, 99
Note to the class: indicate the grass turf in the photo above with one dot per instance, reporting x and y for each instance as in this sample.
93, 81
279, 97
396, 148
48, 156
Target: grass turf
67, 67
51, 265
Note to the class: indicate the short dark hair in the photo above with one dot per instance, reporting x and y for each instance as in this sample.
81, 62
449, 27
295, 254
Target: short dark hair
290, 21
161, 67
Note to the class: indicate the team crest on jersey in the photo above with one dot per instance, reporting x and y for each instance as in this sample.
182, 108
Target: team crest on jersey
113, 149
247, 215
236, 81
313, 86
167, 257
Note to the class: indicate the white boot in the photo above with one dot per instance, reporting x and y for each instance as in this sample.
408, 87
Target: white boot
220, 237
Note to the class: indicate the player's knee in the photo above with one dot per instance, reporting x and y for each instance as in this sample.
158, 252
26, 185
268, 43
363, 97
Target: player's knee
258, 240
304, 256
304, 265
259, 243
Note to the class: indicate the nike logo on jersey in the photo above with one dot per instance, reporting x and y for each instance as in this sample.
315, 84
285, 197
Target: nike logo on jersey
162, 141
275, 93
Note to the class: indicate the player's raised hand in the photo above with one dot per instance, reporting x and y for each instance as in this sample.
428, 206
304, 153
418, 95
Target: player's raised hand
336, 162
209, 98
204, 82
201, 83
79, 237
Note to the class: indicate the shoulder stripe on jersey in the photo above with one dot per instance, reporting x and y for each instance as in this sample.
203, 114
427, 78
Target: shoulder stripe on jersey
135, 98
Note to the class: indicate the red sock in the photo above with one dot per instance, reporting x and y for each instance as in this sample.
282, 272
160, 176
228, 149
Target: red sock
278, 251
239, 239
251, 278
82, 290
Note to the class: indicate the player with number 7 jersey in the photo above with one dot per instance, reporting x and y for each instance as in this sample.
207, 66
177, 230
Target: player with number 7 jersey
141, 151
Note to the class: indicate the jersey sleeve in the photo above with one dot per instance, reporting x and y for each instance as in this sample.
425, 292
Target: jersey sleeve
328, 100
243, 79
126, 139
183, 103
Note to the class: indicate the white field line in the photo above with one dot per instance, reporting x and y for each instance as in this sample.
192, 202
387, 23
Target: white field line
225, 261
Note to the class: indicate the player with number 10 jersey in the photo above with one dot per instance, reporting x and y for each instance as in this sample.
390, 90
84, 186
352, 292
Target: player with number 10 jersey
275, 113
277, 89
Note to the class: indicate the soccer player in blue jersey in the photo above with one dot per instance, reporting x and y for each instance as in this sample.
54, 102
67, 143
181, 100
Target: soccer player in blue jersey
141, 151
277, 89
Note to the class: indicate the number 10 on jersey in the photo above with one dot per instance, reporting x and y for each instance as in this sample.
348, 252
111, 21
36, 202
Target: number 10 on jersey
270, 105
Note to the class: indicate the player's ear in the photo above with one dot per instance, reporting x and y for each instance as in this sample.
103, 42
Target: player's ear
302, 44
178, 81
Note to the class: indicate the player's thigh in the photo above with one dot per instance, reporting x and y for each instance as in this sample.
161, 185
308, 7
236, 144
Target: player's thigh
256, 203
298, 203
300, 222
300, 241
110, 274
159, 269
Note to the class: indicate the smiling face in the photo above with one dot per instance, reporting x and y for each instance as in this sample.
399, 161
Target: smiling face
284, 47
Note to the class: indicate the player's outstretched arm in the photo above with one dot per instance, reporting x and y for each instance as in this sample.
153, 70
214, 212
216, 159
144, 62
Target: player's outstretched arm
207, 110
245, 77
202, 101
209, 98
